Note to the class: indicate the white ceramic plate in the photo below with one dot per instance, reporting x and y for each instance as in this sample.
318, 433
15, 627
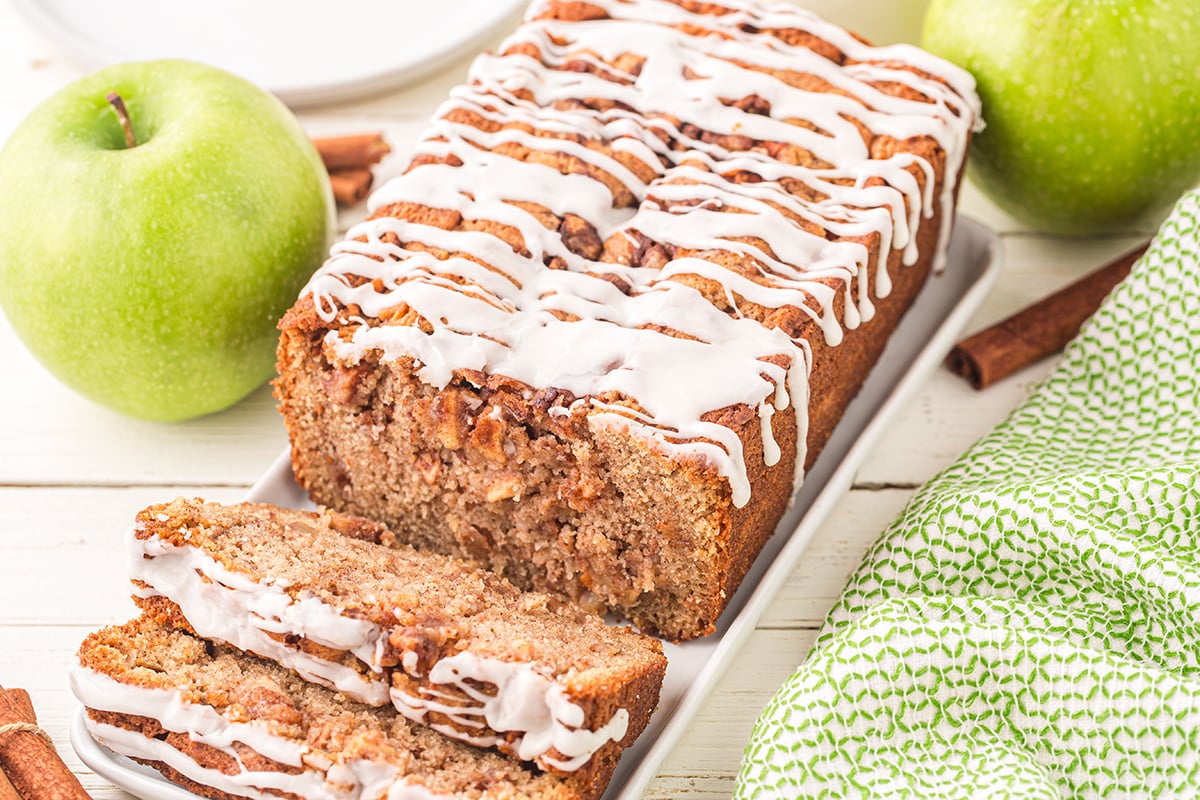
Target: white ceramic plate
307, 52
921, 341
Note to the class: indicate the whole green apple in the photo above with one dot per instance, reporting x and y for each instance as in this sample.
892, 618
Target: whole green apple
1092, 106
146, 265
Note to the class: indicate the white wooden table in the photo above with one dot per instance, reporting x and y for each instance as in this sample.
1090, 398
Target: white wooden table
72, 474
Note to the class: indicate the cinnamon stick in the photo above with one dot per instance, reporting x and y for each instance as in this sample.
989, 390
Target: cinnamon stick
1038, 331
350, 186
30, 762
7, 790
349, 159
348, 152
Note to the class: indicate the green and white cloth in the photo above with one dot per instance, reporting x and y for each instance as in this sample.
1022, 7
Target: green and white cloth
1030, 625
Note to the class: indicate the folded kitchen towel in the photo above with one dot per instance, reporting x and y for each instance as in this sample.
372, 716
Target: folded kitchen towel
1030, 625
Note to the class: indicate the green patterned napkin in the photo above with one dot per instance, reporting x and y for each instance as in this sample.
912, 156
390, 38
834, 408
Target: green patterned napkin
1030, 626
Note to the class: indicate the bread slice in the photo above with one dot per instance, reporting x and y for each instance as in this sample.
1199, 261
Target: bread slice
451, 646
224, 724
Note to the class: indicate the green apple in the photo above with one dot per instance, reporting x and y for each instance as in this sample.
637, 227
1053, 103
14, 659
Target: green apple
150, 277
1092, 106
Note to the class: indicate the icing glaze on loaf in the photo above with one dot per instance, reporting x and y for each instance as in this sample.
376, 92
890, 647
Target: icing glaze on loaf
666, 112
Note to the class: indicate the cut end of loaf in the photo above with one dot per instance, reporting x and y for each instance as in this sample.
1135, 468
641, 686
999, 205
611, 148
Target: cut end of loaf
517, 486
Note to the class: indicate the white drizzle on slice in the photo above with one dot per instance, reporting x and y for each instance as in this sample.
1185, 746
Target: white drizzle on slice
241, 609
253, 615
318, 778
666, 113
522, 699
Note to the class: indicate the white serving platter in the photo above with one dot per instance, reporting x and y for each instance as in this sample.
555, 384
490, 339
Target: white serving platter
307, 52
919, 344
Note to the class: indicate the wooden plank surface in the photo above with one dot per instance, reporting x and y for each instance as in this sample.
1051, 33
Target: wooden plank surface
72, 474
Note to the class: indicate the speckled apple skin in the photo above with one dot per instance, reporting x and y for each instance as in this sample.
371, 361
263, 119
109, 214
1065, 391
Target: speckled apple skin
150, 279
1092, 106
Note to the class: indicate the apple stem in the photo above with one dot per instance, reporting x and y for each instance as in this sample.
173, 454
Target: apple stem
118, 105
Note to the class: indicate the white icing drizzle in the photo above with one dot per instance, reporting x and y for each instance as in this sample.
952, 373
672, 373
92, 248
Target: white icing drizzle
320, 778
500, 310
235, 608
524, 700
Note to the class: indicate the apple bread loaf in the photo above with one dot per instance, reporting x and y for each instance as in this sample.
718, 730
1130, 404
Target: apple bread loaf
226, 725
642, 260
452, 647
